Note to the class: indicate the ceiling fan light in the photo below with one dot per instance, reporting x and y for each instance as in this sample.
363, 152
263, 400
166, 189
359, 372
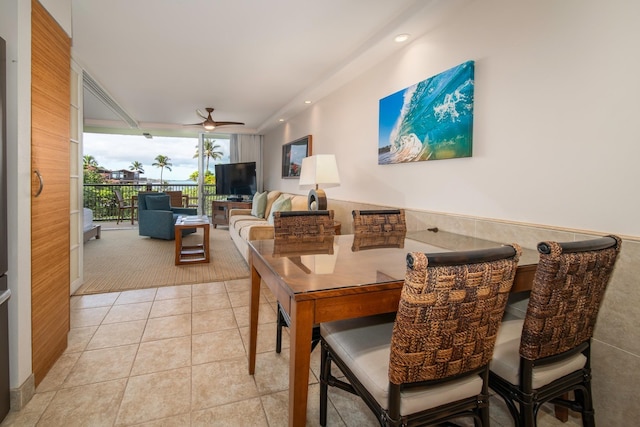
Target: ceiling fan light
209, 126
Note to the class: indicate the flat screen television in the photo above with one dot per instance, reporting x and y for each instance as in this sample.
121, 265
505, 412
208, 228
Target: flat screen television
236, 179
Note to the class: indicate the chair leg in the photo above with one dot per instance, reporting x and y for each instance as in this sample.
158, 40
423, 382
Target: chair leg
505, 394
485, 418
583, 398
280, 323
325, 369
561, 413
527, 415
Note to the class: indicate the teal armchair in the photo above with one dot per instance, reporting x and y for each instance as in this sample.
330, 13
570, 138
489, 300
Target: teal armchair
156, 217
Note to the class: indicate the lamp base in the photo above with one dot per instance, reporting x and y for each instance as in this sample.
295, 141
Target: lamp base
317, 200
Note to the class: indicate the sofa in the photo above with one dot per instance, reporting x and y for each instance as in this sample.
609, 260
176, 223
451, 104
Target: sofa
89, 229
244, 227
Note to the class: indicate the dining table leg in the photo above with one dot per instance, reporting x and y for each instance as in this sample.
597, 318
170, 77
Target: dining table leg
299, 360
254, 306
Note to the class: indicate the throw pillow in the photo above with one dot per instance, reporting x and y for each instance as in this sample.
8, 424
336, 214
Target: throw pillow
280, 205
158, 203
259, 204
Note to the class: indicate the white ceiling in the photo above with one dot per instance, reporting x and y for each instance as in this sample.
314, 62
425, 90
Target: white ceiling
254, 61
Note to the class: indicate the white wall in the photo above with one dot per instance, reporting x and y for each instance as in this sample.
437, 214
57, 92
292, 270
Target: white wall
555, 134
61, 12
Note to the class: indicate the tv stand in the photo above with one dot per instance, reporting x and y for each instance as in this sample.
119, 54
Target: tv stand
220, 210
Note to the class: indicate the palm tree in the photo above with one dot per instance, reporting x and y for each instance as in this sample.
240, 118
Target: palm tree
136, 166
162, 162
89, 160
209, 151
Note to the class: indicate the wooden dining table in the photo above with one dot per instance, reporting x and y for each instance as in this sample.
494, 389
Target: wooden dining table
343, 277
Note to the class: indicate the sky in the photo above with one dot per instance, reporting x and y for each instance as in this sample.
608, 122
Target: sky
115, 152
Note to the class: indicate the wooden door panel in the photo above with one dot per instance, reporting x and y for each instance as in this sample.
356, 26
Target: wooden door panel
50, 132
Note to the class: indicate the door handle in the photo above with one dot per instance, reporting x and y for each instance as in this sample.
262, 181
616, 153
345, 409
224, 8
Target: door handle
41, 181
5, 296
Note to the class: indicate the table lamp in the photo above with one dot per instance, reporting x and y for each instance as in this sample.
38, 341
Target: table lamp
318, 170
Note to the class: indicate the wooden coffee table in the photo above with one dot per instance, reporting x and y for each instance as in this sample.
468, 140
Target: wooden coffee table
192, 254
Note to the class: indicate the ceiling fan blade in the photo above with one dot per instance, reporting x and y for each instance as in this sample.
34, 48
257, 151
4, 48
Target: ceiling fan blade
201, 114
193, 124
228, 123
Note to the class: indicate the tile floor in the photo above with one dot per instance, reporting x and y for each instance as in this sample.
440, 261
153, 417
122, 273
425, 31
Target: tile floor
176, 356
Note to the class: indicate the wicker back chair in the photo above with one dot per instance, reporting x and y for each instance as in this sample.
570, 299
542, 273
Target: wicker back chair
299, 225
545, 356
378, 221
437, 350
298, 229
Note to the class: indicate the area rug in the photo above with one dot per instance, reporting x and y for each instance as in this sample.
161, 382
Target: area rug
122, 260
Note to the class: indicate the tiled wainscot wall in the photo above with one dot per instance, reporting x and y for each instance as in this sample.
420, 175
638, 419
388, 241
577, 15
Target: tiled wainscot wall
616, 344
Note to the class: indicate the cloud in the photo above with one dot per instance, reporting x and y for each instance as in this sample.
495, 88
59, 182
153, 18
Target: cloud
117, 152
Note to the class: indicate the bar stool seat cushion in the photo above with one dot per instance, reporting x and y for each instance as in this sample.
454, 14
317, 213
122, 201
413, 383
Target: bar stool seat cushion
364, 344
506, 358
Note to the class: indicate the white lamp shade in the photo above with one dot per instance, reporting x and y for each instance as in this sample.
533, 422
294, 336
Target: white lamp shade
319, 170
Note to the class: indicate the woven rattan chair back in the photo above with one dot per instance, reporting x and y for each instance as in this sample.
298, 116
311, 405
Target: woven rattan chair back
364, 241
450, 312
379, 221
568, 287
298, 225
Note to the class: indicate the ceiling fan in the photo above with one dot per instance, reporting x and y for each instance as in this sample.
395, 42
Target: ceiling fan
209, 123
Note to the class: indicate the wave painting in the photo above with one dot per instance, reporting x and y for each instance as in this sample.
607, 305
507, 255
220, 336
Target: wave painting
430, 120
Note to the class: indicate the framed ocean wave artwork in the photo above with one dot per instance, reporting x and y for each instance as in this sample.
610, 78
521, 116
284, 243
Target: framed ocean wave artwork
430, 120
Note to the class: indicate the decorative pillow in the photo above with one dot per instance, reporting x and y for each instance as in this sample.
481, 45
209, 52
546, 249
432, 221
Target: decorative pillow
280, 205
259, 204
158, 203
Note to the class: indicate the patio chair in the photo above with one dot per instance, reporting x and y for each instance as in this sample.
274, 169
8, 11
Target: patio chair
123, 206
431, 363
176, 199
546, 355
190, 201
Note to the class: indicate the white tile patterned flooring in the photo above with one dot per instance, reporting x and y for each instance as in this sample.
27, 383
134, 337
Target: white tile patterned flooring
177, 356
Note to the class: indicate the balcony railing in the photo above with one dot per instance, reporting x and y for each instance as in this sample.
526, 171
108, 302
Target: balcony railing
101, 199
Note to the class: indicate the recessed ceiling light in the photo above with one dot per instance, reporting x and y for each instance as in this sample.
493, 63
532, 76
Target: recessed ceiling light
307, 102
281, 120
401, 38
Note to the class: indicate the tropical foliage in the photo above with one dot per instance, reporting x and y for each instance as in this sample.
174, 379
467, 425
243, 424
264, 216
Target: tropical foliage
209, 177
89, 161
136, 166
209, 151
89, 170
162, 162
